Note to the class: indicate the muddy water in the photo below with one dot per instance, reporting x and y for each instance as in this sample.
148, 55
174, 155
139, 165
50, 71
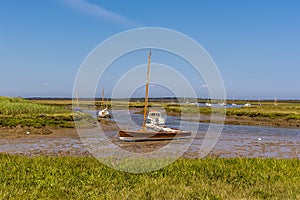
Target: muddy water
235, 141
254, 141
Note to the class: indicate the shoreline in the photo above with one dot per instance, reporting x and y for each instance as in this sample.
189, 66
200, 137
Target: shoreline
245, 120
109, 126
20, 132
250, 121
67, 142
259, 121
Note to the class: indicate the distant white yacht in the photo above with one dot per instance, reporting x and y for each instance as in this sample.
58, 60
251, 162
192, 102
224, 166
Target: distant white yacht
208, 104
247, 105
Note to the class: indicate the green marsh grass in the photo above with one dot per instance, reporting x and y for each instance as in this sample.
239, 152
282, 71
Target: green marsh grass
57, 113
17, 106
285, 111
209, 178
17, 111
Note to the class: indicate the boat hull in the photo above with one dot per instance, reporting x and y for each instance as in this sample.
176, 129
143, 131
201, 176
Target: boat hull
103, 116
130, 135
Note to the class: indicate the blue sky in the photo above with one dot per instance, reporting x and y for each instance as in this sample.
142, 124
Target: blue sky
255, 44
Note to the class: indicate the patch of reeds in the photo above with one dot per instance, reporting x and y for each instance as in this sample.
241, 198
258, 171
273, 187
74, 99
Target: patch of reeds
17, 111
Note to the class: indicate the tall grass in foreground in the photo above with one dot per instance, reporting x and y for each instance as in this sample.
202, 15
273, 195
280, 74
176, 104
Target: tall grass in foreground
210, 178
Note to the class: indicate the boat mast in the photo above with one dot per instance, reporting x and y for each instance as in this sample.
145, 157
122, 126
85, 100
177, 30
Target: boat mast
102, 104
147, 92
275, 101
77, 102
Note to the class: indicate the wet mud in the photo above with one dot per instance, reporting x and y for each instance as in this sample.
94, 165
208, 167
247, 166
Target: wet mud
234, 141
66, 142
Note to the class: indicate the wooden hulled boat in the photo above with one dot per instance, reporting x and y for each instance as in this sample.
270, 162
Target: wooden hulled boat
153, 129
140, 135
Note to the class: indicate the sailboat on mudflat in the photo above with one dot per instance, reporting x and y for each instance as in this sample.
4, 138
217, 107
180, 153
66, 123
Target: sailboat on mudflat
103, 112
150, 130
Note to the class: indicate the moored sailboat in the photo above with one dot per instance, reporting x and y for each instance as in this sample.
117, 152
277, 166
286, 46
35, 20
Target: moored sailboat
103, 113
153, 129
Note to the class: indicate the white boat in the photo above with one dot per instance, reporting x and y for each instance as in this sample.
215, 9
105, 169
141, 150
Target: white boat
154, 117
247, 105
222, 104
208, 104
104, 113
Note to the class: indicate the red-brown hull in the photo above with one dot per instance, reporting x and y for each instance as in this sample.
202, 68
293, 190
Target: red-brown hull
130, 135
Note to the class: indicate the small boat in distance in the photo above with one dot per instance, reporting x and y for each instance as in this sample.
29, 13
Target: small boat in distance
247, 105
152, 130
103, 113
208, 104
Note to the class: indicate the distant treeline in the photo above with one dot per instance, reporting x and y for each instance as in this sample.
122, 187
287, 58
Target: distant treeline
165, 99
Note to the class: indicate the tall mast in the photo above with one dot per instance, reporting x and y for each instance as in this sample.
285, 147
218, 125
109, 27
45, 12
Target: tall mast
102, 104
77, 102
147, 92
275, 101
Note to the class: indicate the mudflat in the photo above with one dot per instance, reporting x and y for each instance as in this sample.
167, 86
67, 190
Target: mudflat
269, 142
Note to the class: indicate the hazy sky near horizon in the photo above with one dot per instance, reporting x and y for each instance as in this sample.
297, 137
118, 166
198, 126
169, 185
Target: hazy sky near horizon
255, 44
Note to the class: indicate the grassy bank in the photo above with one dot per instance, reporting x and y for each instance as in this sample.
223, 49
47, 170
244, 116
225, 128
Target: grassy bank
210, 178
20, 112
57, 113
267, 114
284, 110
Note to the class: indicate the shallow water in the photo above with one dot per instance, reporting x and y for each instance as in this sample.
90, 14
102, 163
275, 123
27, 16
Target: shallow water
254, 141
234, 141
